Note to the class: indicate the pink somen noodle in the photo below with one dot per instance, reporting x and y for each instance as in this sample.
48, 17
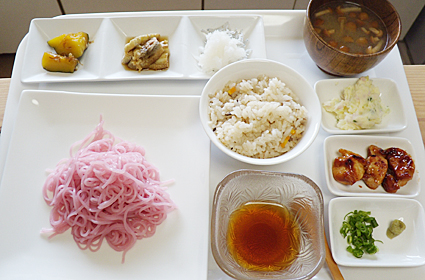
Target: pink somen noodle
106, 190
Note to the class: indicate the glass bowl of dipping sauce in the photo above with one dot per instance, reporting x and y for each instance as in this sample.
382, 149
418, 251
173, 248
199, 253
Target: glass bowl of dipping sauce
268, 225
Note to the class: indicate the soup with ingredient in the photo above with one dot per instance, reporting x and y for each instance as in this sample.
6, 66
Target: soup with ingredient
350, 27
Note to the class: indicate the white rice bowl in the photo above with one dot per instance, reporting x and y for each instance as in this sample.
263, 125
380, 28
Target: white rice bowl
273, 116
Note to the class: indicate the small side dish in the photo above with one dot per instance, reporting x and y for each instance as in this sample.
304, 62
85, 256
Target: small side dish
392, 167
357, 228
358, 107
407, 250
69, 48
222, 47
146, 52
377, 160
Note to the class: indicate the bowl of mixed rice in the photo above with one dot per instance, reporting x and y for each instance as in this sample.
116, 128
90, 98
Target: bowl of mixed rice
260, 111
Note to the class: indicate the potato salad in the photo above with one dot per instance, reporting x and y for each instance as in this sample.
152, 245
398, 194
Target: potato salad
359, 106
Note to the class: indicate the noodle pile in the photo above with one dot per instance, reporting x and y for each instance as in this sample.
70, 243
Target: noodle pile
106, 190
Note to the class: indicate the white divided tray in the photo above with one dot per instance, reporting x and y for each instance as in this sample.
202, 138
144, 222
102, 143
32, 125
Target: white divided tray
107, 36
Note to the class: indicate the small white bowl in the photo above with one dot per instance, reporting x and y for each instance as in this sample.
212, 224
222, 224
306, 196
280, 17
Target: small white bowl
359, 144
252, 68
332, 88
407, 249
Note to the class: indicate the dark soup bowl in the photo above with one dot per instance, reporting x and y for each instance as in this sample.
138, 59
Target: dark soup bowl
345, 38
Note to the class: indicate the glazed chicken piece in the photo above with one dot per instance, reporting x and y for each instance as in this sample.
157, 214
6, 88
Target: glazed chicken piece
390, 184
400, 165
401, 169
375, 171
392, 168
349, 168
375, 150
345, 152
376, 167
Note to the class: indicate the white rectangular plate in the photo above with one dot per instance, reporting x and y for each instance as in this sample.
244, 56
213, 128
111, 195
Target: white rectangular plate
42, 30
359, 144
332, 88
108, 36
47, 124
407, 249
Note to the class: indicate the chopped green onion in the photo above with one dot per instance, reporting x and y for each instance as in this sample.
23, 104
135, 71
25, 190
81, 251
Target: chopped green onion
358, 227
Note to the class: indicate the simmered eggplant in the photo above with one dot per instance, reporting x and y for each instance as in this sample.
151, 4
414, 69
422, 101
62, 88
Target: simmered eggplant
74, 43
59, 63
146, 52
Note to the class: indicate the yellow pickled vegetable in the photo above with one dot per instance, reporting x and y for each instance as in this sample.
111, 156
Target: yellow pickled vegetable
59, 63
232, 90
283, 144
74, 43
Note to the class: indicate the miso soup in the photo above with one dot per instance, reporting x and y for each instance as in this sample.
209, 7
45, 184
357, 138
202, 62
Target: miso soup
350, 27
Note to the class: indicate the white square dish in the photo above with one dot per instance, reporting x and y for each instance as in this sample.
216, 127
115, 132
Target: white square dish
47, 123
407, 249
121, 29
250, 26
42, 30
359, 144
332, 88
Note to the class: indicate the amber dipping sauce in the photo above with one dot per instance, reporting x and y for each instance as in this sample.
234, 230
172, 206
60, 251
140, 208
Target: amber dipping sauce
263, 236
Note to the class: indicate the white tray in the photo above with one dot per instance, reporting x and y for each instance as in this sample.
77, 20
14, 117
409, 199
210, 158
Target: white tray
284, 43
